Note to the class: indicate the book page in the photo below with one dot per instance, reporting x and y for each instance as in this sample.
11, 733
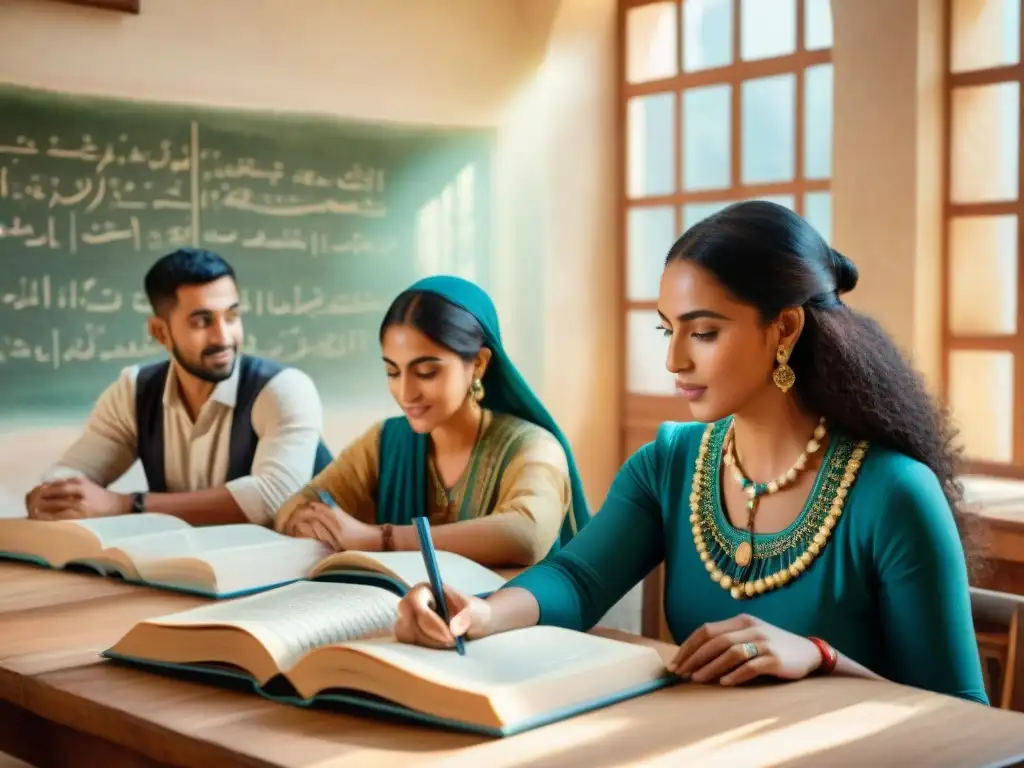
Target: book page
196, 542
510, 658
53, 542
506, 680
223, 559
112, 530
461, 573
291, 620
265, 564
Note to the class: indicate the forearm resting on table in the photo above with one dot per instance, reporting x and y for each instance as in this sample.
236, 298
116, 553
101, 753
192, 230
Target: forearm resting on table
214, 506
504, 539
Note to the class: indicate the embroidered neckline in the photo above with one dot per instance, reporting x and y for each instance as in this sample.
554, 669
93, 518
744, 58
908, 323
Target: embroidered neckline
778, 557
802, 528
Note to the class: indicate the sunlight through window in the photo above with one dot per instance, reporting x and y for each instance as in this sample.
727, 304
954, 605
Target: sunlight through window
446, 231
982, 342
750, 745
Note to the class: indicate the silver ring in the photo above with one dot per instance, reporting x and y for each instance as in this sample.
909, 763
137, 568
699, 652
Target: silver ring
750, 650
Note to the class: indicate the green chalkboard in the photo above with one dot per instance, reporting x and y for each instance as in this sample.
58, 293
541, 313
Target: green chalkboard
323, 220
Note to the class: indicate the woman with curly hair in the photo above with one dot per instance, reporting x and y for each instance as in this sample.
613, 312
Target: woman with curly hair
807, 519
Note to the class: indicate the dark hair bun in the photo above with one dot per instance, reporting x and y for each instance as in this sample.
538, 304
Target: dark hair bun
845, 272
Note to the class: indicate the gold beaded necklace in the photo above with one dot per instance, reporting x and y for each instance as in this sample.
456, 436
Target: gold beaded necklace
702, 479
745, 552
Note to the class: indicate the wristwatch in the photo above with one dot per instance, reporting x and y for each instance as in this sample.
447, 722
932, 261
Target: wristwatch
138, 502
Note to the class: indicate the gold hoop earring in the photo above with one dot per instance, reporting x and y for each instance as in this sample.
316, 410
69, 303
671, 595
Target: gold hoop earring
783, 375
476, 390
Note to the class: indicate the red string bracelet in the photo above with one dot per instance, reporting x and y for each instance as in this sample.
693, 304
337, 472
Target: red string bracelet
829, 655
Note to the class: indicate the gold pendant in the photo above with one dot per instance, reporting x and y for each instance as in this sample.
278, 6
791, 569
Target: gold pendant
743, 555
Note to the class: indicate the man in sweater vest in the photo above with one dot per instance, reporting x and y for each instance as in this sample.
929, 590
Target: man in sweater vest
223, 437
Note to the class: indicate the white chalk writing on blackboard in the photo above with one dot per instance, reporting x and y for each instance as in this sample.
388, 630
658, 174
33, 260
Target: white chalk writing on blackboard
121, 175
90, 295
54, 349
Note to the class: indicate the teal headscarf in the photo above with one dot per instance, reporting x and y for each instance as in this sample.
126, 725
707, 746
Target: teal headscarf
402, 493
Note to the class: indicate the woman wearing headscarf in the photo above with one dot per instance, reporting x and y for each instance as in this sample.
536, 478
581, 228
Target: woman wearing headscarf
475, 450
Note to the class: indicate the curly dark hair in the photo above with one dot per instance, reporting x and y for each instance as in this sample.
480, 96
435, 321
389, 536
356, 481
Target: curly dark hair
847, 368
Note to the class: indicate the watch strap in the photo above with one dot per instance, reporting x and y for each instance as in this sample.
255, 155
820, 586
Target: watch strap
138, 502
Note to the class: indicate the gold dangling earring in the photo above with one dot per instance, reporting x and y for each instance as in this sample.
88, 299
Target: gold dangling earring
783, 375
476, 390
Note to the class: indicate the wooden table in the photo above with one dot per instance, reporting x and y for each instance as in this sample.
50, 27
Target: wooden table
60, 704
997, 529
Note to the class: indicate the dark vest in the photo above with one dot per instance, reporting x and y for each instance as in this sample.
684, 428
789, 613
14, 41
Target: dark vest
253, 375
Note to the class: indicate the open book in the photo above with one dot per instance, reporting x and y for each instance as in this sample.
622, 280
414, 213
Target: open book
313, 642
220, 560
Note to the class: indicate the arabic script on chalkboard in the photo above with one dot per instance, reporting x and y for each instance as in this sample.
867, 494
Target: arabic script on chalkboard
90, 201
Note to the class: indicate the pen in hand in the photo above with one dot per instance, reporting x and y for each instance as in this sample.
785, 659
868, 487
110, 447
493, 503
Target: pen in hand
434, 572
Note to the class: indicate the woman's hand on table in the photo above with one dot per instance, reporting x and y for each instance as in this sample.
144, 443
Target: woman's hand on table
739, 649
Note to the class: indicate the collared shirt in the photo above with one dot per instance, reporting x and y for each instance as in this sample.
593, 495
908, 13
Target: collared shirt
287, 417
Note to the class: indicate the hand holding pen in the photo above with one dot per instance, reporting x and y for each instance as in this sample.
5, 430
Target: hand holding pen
434, 573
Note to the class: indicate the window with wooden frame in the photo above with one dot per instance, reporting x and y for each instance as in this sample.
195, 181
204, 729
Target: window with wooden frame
983, 344
722, 100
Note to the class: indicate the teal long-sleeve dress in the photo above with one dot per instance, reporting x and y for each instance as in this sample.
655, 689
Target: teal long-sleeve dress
873, 564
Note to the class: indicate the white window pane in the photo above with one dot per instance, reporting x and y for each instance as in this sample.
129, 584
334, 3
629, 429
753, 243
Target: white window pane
769, 129
985, 142
650, 233
981, 399
986, 33
650, 145
817, 24
767, 28
647, 373
818, 212
818, 122
706, 137
651, 42
983, 275
707, 34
